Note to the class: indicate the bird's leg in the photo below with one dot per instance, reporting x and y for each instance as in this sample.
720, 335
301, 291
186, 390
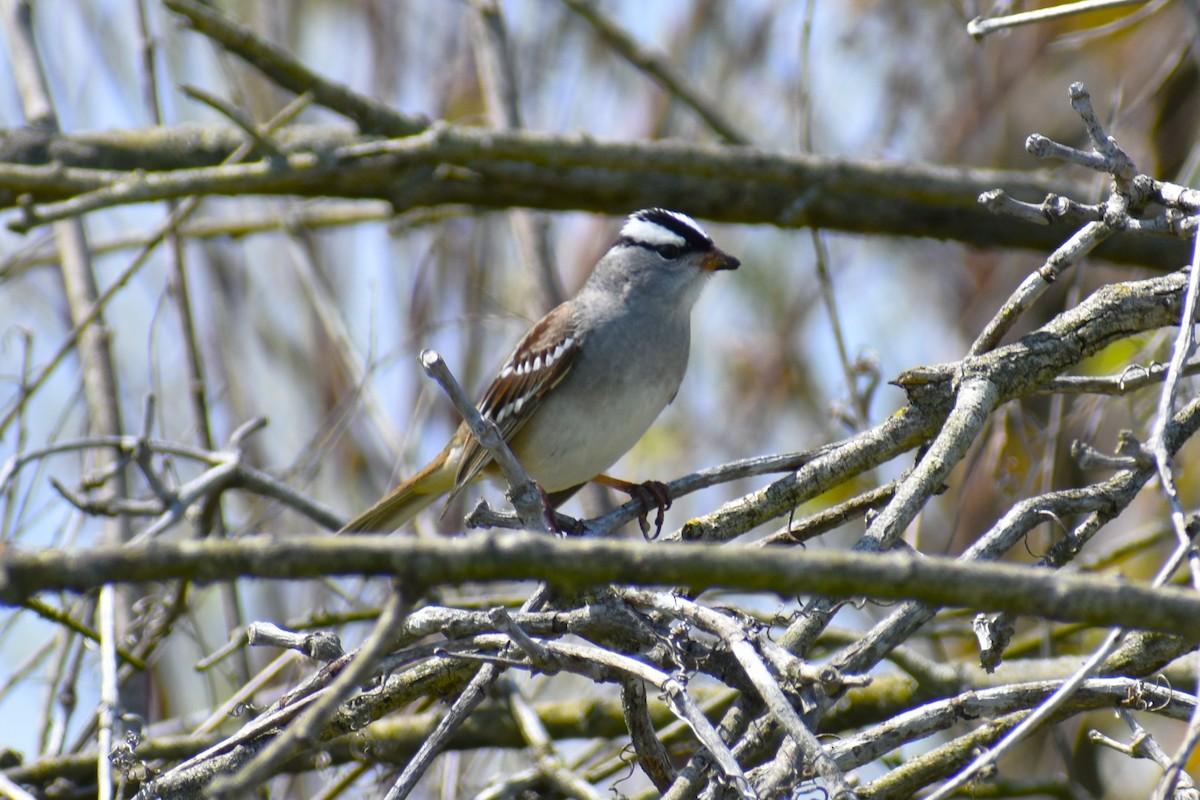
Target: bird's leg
652, 494
548, 511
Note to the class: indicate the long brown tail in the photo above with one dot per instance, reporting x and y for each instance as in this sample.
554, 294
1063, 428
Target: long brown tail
408, 499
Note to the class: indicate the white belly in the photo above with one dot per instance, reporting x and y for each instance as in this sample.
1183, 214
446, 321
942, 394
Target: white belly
579, 433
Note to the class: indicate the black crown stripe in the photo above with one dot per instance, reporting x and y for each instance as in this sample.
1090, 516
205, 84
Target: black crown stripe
694, 239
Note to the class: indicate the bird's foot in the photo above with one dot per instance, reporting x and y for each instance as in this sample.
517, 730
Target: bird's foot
652, 494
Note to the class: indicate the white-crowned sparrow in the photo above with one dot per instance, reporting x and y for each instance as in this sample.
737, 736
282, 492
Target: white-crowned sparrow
586, 381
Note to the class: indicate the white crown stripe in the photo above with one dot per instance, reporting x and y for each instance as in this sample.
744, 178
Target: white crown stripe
691, 223
653, 234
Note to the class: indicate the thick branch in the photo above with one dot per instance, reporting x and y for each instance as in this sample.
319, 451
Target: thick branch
1017, 370
572, 564
490, 169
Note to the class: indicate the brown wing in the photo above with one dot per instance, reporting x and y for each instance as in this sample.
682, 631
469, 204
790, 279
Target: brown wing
541, 360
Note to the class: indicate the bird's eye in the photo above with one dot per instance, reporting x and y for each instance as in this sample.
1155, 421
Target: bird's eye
669, 251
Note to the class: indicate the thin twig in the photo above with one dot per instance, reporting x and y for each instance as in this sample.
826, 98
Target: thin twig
304, 727
657, 68
282, 68
980, 26
101, 301
524, 493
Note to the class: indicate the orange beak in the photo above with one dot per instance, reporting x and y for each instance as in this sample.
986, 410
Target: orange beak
717, 259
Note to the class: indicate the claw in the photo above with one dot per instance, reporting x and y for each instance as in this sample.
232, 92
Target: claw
651, 494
